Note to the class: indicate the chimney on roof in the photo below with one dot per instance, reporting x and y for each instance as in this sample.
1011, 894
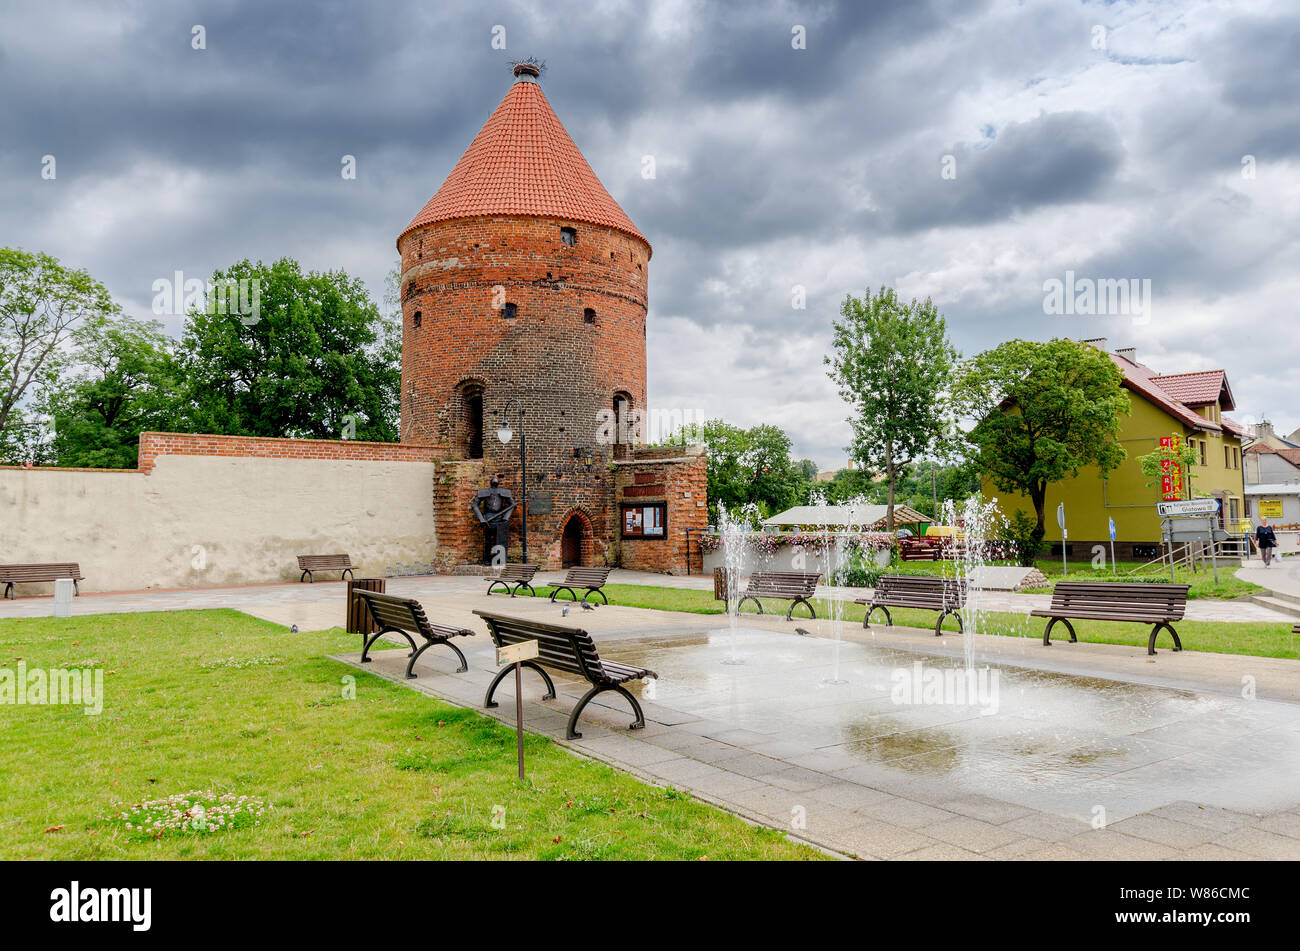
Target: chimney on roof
1263, 429
1098, 342
1128, 353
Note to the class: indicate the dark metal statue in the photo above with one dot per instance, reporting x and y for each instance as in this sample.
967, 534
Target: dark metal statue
493, 507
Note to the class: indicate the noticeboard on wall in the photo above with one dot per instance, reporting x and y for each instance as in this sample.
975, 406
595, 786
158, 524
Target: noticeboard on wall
645, 520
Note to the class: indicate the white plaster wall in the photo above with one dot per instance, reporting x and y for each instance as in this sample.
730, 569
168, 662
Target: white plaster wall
251, 517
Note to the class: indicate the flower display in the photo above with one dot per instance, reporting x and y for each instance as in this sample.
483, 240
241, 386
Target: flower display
191, 813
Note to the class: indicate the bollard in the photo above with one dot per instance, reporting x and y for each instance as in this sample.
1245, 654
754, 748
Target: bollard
63, 597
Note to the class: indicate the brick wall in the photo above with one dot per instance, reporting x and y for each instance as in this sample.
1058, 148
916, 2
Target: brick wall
677, 476
153, 445
564, 369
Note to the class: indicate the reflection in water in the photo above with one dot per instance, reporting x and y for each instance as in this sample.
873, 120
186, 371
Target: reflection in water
1051, 740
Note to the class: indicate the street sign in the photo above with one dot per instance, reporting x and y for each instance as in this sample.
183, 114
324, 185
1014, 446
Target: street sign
1112, 545
1187, 507
1060, 520
514, 653
1112, 529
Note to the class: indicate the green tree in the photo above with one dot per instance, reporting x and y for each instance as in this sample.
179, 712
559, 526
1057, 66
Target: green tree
745, 465
25, 441
126, 382
893, 363
41, 301
1181, 458
1044, 411
316, 359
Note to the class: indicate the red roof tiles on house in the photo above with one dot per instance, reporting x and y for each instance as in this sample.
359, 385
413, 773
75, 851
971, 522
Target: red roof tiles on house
1195, 389
523, 162
1141, 380
1234, 427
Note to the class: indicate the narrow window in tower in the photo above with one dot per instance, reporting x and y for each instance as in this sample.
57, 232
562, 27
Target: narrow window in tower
588, 316
473, 410
509, 311
569, 236
415, 319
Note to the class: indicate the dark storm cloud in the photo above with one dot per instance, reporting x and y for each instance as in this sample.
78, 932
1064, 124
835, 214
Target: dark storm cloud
1054, 159
777, 168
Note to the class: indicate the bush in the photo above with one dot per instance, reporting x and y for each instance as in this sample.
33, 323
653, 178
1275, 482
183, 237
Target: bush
860, 572
1020, 534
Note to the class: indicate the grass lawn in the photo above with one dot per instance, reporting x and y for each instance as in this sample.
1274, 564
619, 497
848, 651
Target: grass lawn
221, 701
1258, 639
1202, 582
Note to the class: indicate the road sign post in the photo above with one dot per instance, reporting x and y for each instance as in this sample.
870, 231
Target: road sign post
516, 654
1112, 545
1060, 521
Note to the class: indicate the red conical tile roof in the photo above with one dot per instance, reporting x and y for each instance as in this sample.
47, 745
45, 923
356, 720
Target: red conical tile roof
523, 162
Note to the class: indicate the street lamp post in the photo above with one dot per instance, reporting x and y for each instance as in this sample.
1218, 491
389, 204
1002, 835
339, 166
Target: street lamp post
504, 433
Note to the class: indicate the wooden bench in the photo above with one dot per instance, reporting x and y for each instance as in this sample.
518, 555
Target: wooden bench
919, 549
514, 577
945, 595
593, 579
406, 616
35, 573
795, 586
1156, 604
567, 649
313, 563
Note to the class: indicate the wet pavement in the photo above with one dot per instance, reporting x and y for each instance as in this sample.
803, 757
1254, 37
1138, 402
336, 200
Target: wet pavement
1091, 751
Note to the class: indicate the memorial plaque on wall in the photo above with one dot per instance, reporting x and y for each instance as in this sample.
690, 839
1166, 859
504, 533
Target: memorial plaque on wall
539, 503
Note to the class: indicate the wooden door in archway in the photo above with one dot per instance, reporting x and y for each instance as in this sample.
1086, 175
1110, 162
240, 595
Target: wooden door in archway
571, 543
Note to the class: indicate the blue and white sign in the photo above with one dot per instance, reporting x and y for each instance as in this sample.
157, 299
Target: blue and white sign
1112, 529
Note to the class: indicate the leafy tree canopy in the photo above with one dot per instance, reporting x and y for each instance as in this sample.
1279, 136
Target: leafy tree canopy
41, 301
893, 362
1044, 411
125, 383
316, 359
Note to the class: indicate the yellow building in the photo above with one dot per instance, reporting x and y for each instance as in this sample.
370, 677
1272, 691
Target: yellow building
1187, 405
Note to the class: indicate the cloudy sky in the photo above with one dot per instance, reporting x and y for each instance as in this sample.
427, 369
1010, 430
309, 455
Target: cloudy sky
968, 151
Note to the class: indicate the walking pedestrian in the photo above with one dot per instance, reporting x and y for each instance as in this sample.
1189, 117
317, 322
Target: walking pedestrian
1266, 541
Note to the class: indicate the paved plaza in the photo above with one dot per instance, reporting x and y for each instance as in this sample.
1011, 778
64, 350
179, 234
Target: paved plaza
806, 733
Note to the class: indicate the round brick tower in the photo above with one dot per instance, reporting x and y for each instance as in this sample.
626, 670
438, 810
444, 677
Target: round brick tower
522, 279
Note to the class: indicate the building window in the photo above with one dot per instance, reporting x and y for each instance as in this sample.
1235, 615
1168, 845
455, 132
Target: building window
416, 318
1227, 457
1203, 445
509, 311
645, 520
588, 316
569, 236
627, 426
471, 407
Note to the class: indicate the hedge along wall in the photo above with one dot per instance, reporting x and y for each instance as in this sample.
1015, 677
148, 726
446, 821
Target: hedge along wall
221, 510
